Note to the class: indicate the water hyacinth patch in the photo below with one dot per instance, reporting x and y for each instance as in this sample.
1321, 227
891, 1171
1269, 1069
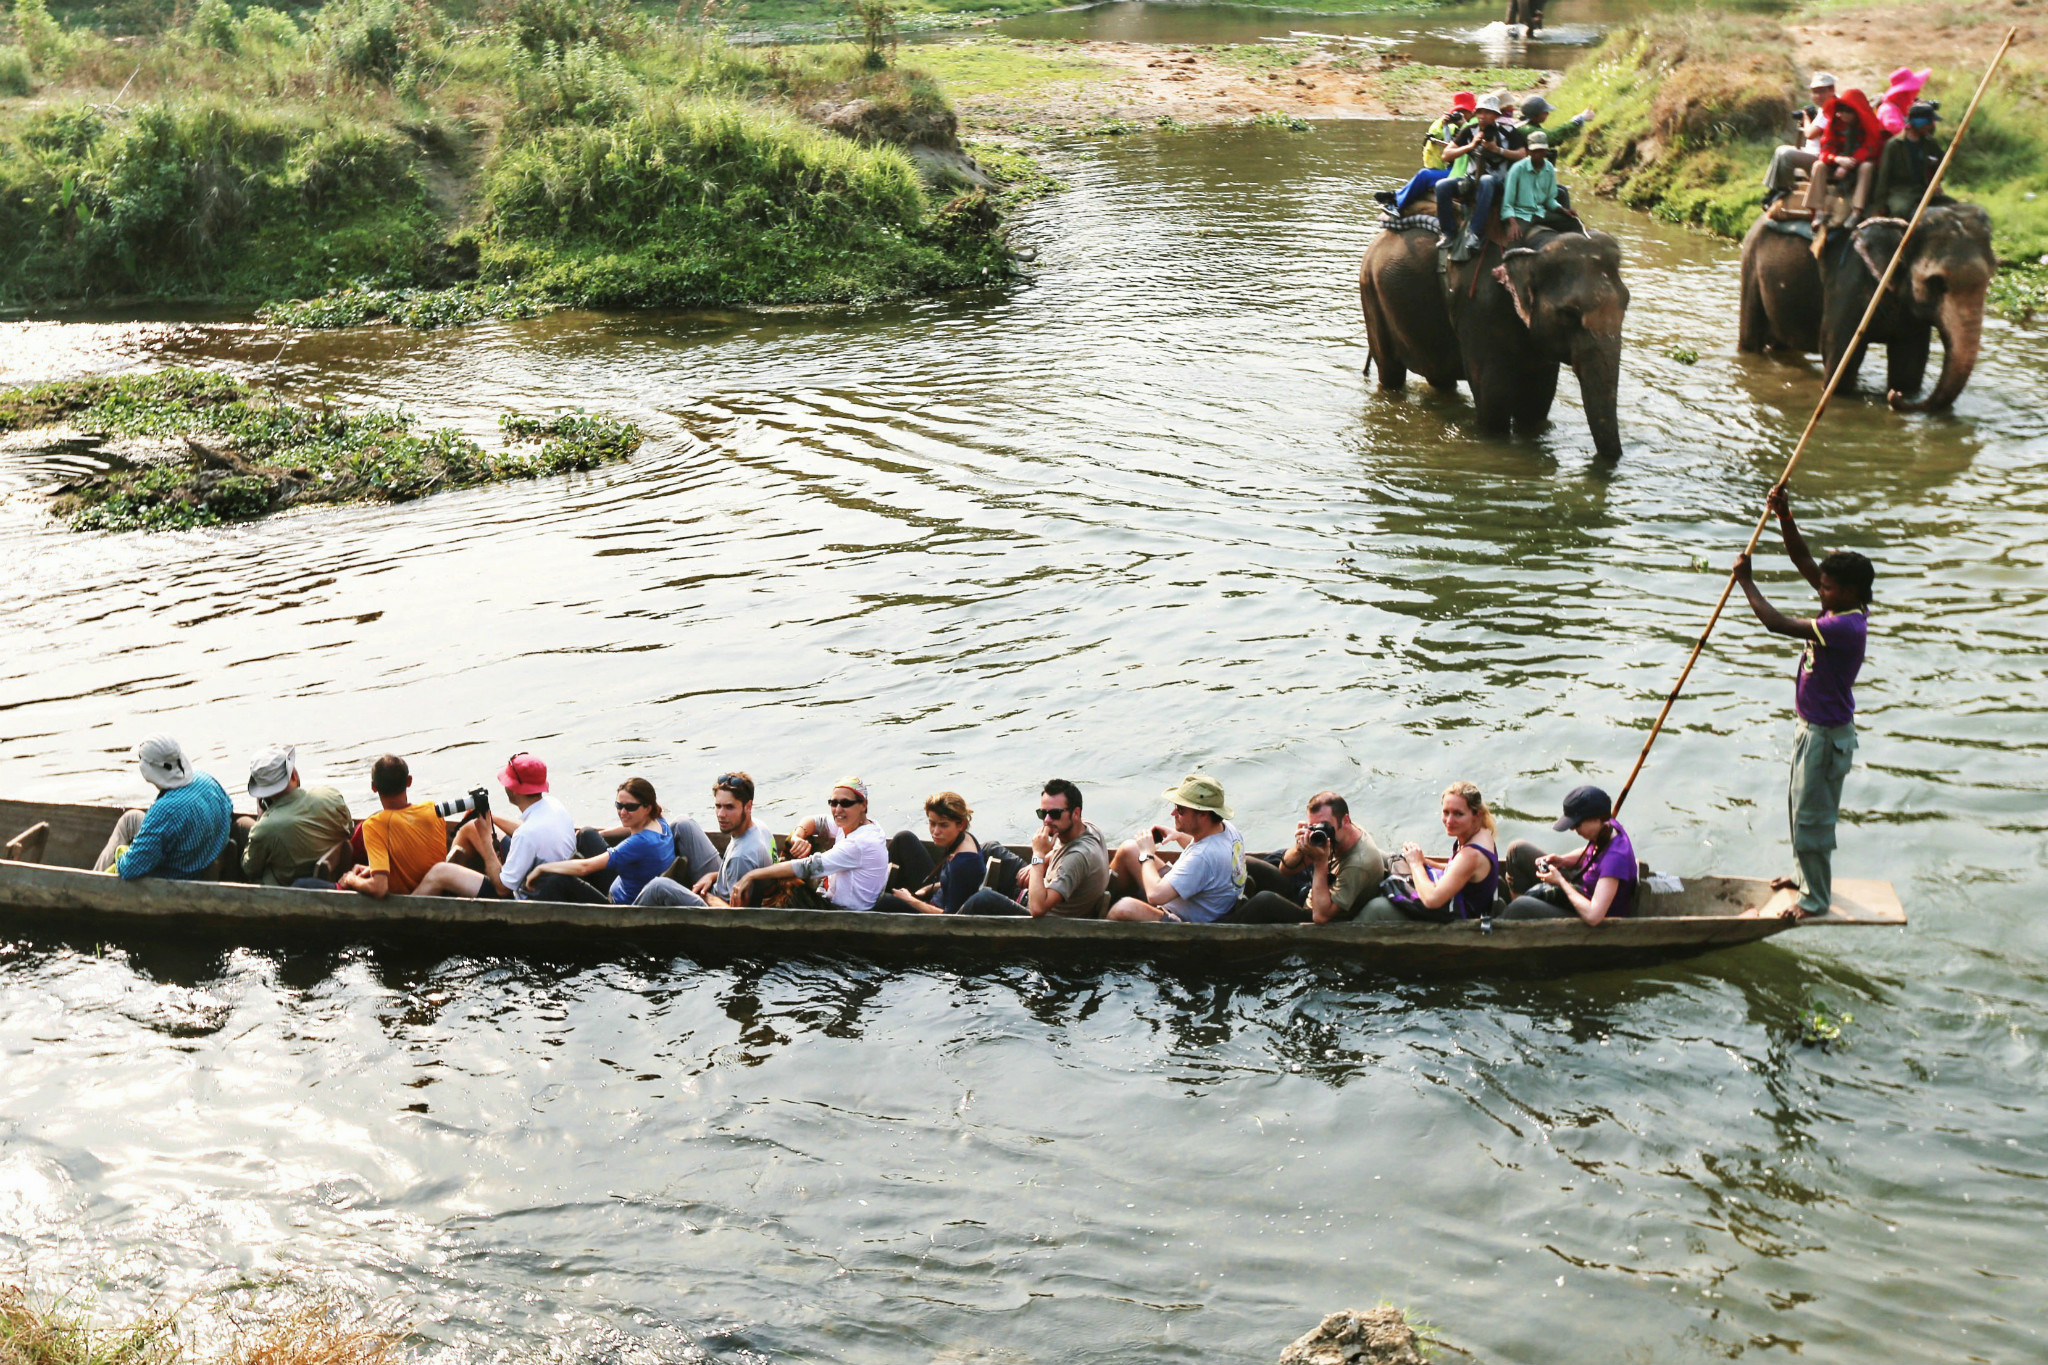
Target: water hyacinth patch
251, 453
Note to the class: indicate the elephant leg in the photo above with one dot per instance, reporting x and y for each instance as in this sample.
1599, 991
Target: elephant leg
1533, 395
1492, 398
1379, 337
1905, 359
1753, 330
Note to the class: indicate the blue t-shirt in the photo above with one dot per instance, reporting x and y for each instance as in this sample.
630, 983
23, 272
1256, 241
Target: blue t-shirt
638, 859
1208, 878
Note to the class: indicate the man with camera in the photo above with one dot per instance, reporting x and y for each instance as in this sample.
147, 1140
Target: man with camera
1331, 871
543, 833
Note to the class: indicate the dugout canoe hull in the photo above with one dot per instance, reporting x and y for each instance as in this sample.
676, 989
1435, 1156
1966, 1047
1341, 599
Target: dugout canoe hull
1709, 912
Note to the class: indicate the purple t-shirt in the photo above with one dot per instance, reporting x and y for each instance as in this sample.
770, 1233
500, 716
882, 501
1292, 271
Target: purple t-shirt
1617, 860
1825, 694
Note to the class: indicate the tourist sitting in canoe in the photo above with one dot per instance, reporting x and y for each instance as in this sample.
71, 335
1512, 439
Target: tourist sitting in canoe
543, 833
611, 872
402, 840
747, 846
1206, 880
299, 827
1604, 876
1068, 876
184, 831
928, 885
1330, 871
1465, 884
850, 874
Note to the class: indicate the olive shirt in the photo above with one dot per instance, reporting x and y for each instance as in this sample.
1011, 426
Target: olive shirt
1079, 870
1903, 170
1356, 876
295, 831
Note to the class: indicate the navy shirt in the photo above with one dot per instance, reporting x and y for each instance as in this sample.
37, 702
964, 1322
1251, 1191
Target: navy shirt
960, 878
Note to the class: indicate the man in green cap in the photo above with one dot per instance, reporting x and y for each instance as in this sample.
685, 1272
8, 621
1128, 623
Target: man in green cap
1207, 880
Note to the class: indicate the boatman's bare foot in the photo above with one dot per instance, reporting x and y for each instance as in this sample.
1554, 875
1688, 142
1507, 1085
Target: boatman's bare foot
1784, 883
1793, 910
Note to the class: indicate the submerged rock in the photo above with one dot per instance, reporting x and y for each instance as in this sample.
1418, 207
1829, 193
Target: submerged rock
1377, 1336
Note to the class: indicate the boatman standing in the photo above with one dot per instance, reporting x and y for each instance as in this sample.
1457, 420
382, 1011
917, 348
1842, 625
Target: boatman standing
1824, 696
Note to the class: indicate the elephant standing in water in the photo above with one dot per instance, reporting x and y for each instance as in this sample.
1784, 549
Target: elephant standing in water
1789, 300
1407, 322
1558, 301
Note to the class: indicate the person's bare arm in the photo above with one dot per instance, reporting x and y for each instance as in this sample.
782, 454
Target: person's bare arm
1775, 621
1795, 543
1320, 904
572, 867
361, 880
1457, 873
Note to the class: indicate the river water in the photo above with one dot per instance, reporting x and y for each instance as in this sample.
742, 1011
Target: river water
1137, 517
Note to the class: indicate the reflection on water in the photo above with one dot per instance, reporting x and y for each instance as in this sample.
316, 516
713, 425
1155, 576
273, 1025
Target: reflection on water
1139, 516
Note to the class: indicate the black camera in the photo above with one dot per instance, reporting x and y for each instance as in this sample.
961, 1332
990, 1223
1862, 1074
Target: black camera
477, 803
1323, 833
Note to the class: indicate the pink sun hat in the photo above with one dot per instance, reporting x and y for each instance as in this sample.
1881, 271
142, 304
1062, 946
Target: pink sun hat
1906, 81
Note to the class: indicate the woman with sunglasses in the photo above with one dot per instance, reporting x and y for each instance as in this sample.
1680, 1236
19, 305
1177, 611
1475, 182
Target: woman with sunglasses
942, 883
644, 854
850, 875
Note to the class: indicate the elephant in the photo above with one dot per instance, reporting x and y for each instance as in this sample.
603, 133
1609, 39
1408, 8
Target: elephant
1790, 300
1558, 300
1407, 322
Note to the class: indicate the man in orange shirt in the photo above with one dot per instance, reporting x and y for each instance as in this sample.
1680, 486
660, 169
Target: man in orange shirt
401, 841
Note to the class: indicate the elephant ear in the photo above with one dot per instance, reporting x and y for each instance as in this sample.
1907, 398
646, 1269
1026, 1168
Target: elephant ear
1517, 271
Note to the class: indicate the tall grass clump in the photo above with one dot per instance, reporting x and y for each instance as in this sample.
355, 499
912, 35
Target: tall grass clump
213, 25
584, 84
537, 25
206, 199
17, 77
694, 201
366, 42
873, 24
40, 35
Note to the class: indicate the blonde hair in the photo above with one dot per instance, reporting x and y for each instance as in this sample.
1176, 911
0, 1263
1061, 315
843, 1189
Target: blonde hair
950, 806
1474, 802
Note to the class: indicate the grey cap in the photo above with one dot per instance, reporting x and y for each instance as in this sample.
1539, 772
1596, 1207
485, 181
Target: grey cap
1821, 78
163, 762
1536, 107
1539, 141
270, 771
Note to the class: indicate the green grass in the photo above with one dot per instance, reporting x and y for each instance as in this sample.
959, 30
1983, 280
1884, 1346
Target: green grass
997, 66
268, 454
384, 154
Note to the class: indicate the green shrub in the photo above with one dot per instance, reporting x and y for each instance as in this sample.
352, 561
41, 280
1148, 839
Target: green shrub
537, 25
213, 25
17, 77
41, 36
872, 24
585, 84
372, 41
206, 199
702, 201
262, 26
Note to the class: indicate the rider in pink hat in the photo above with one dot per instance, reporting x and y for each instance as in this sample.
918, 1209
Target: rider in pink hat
1905, 87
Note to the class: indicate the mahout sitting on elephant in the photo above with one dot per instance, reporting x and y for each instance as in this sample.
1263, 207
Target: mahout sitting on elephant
1794, 302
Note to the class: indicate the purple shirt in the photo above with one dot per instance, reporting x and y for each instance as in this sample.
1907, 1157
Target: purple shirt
1825, 694
1617, 860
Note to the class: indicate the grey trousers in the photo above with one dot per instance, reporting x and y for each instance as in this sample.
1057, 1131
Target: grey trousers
1821, 759
694, 850
1784, 162
125, 830
667, 891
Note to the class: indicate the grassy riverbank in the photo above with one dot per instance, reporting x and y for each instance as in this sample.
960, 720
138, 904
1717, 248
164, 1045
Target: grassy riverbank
569, 149
35, 1333
1691, 105
217, 450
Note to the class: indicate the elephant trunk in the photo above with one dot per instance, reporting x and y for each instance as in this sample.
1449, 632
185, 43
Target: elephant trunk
1596, 358
1961, 324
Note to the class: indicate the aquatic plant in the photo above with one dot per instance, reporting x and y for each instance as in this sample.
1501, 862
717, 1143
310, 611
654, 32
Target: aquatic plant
1684, 355
1821, 1025
1273, 118
260, 453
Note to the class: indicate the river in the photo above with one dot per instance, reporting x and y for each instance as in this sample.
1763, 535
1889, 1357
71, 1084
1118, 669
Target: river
1138, 517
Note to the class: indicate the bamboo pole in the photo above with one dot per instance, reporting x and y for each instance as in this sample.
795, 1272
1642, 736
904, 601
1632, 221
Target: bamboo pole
1826, 395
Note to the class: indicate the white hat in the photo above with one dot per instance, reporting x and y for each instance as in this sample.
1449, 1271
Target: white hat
1489, 102
1821, 78
270, 771
163, 762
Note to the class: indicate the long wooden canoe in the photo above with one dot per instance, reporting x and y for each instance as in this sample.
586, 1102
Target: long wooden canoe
52, 890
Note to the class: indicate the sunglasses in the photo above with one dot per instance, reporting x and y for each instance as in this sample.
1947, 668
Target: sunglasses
630, 805
1052, 814
840, 802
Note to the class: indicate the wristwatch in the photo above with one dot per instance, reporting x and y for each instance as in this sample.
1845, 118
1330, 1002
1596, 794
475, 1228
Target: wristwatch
1037, 860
